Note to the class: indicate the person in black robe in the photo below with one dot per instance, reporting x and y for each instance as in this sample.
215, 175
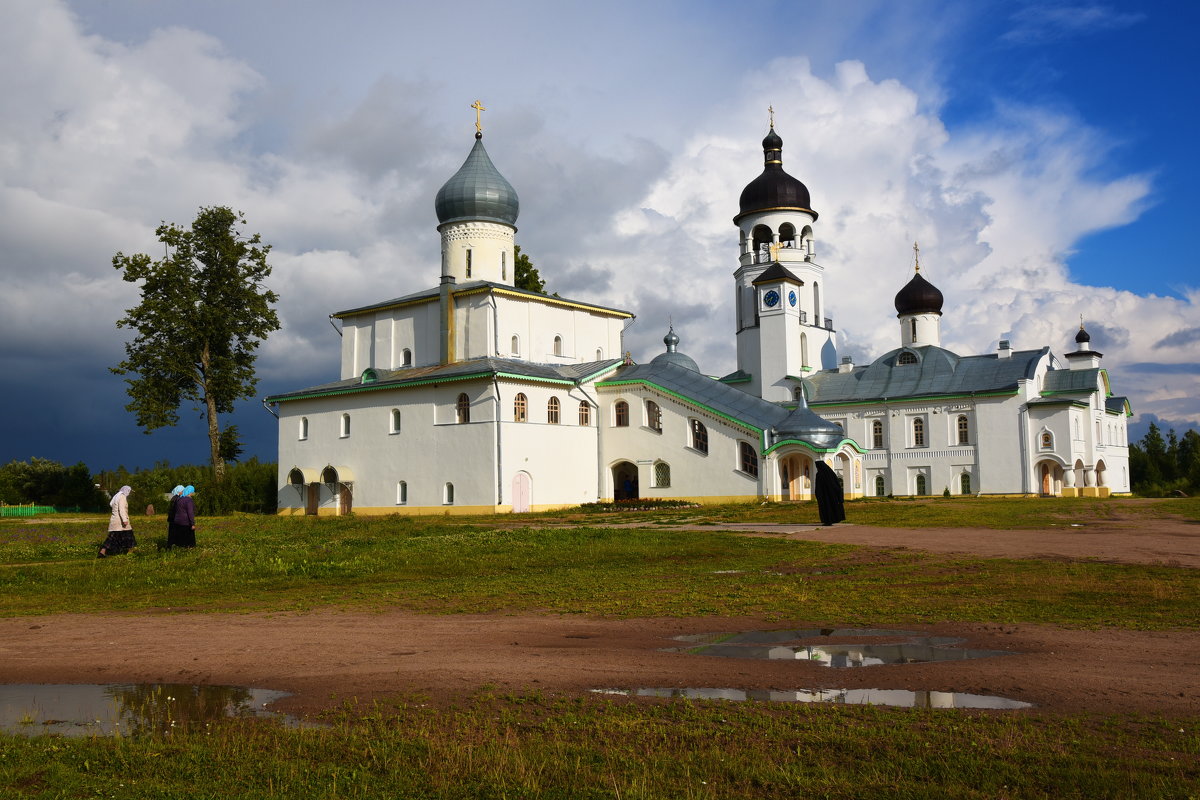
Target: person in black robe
828, 492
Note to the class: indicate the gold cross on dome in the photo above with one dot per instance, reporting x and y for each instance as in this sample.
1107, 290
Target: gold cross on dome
771, 111
917, 256
478, 106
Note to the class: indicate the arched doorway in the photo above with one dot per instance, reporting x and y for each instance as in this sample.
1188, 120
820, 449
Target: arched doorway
339, 489
522, 491
1047, 480
793, 472
625, 481
845, 473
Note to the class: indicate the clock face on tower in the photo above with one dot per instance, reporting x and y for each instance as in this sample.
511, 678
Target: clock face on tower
792, 299
771, 299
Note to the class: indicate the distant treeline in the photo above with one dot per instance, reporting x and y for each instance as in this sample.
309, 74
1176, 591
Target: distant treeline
248, 487
1161, 466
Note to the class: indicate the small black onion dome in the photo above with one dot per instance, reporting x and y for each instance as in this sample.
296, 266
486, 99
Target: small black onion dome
808, 426
919, 296
672, 356
477, 192
774, 188
1082, 336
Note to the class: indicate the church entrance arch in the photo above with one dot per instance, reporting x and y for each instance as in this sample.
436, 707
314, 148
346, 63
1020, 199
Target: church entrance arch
794, 470
522, 491
1050, 479
625, 481
339, 490
845, 474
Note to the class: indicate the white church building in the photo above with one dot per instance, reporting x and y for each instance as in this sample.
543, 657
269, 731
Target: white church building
474, 396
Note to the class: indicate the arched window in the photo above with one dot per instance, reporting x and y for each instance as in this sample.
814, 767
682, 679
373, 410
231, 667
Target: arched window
406, 358
877, 434
448, 494
303, 428
401, 493
964, 430
912, 326
803, 350
880, 488
621, 414
463, 408
748, 458
662, 475
395, 420
520, 408
965, 483
762, 238
919, 432
787, 234
907, 358
585, 413
798, 393
921, 485
552, 411
558, 345
516, 345
599, 354
345, 425
653, 416
699, 436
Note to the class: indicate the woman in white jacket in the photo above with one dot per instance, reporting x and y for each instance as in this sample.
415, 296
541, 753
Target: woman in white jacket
120, 529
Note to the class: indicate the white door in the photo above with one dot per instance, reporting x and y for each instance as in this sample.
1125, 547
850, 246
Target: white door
522, 488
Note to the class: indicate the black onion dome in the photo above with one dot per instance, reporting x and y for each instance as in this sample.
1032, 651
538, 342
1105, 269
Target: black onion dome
919, 296
1082, 336
774, 188
477, 192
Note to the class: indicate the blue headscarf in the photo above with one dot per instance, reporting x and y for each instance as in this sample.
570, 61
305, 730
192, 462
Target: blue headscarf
177, 490
189, 491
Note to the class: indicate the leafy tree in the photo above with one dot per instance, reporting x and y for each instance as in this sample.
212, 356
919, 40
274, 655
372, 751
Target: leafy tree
203, 313
49, 483
525, 275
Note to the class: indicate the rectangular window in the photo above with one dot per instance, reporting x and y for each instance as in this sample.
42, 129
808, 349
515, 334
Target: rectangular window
468, 263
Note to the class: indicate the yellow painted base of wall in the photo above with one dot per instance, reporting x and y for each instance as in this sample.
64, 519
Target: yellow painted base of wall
718, 500
1070, 491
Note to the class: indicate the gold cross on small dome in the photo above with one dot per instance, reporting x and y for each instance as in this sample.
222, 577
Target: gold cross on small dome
478, 106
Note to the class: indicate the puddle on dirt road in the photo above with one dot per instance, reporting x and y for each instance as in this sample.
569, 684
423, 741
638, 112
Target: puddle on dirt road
124, 709
905, 647
901, 698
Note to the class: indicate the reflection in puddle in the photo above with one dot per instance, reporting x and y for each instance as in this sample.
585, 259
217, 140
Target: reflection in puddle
912, 648
126, 709
901, 698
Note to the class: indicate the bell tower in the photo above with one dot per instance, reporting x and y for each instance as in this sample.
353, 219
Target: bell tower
782, 327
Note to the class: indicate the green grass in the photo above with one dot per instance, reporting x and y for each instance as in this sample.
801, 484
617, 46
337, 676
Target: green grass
451, 566
489, 745
529, 745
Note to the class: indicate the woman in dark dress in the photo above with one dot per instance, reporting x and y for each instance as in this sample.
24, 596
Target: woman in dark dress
185, 518
828, 492
120, 537
172, 533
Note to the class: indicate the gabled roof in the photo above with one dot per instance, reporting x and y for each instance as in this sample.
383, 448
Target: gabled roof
937, 373
1118, 405
702, 391
1071, 380
473, 287
777, 272
476, 369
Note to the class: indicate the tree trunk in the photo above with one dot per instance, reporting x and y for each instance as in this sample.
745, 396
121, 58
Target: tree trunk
214, 424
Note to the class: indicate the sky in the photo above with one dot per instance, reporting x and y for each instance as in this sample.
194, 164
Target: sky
1043, 154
